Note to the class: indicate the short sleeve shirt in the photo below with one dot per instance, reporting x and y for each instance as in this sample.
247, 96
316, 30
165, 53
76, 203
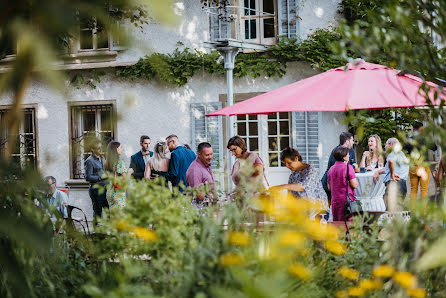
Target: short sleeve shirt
199, 174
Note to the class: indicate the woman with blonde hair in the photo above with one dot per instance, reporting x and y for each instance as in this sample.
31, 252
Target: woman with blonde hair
374, 157
158, 164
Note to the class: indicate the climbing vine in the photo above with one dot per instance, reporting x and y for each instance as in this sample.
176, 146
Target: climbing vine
176, 68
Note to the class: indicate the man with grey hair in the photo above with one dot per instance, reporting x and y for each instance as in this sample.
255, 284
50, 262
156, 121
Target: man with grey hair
396, 169
55, 197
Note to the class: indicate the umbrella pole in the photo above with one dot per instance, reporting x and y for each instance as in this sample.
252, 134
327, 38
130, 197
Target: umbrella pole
229, 54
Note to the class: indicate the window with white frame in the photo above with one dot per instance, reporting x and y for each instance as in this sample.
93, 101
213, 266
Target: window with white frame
93, 35
279, 136
267, 144
24, 151
248, 129
88, 123
258, 21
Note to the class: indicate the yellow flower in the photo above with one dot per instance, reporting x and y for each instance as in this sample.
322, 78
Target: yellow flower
383, 271
239, 238
321, 232
417, 293
145, 234
335, 247
356, 292
122, 225
405, 279
231, 259
348, 273
291, 238
300, 271
341, 294
370, 284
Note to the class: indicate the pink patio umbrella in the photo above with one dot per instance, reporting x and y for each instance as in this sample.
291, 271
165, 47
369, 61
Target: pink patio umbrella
357, 86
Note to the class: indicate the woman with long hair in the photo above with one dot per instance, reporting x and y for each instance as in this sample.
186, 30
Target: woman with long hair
158, 164
374, 157
113, 164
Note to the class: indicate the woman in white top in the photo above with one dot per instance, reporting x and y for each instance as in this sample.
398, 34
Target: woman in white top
158, 164
374, 158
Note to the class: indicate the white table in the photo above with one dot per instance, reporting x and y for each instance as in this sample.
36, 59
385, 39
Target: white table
370, 194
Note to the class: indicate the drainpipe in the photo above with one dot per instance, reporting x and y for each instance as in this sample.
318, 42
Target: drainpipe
229, 54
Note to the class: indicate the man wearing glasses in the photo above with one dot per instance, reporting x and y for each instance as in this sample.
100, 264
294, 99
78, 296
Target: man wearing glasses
94, 168
55, 197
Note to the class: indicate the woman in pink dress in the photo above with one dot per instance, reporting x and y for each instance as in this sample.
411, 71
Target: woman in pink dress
337, 182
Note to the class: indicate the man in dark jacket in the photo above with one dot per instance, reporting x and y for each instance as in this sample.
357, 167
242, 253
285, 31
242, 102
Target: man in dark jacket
180, 160
139, 160
94, 168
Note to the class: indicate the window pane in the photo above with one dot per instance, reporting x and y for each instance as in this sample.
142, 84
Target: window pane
253, 144
273, 159
284, 128
284, 142
29, 144
28, 123
241, 129
101, 37
241, 117
272, 116
86, 39
272, 127
250, 29
89, 121
250, 6
273, 144
106, 123
252, 117
253, 129
268, 6
283, 115
268, 28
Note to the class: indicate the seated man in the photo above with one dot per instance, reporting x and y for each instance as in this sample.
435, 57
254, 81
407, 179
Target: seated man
55, 197
200, 175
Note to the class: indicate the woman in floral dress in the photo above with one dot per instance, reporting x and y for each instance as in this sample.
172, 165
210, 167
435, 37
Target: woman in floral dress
116, 196
304, 181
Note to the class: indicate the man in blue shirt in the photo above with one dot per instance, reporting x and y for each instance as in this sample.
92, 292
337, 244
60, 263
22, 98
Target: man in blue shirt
139, 160
55, 197
345, 140
180, 160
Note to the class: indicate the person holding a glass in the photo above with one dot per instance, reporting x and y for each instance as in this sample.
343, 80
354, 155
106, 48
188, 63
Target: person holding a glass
374, 157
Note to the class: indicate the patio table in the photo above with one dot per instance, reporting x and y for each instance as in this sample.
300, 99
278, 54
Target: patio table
370, 194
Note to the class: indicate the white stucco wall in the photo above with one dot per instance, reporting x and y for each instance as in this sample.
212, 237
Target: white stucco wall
317, 14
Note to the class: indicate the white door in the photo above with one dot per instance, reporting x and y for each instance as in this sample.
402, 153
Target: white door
267, 135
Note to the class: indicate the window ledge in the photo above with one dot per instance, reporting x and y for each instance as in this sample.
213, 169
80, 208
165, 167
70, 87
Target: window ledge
90, 57
77, 183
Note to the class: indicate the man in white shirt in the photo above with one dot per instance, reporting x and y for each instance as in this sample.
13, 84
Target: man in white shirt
55, 197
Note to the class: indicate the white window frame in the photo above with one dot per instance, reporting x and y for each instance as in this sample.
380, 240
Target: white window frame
259, 18
278, 135
263, 136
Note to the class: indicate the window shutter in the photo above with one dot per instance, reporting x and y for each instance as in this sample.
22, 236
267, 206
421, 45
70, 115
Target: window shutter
208, 129
306, 136
288, 14
114, 42
219, 27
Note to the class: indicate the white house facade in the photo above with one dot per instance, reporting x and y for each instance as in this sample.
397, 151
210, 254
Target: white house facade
56, 124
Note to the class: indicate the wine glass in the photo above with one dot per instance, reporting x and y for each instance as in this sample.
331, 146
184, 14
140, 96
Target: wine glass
373, 164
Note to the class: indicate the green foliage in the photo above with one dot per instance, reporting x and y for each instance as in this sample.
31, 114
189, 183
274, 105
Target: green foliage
178, 67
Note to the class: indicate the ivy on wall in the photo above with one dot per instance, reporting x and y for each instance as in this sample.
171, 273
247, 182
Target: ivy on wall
178, 67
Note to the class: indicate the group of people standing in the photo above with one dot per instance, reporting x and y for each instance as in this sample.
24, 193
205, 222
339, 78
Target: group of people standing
182, 168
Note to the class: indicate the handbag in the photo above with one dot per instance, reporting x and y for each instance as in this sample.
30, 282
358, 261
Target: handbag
352, 205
